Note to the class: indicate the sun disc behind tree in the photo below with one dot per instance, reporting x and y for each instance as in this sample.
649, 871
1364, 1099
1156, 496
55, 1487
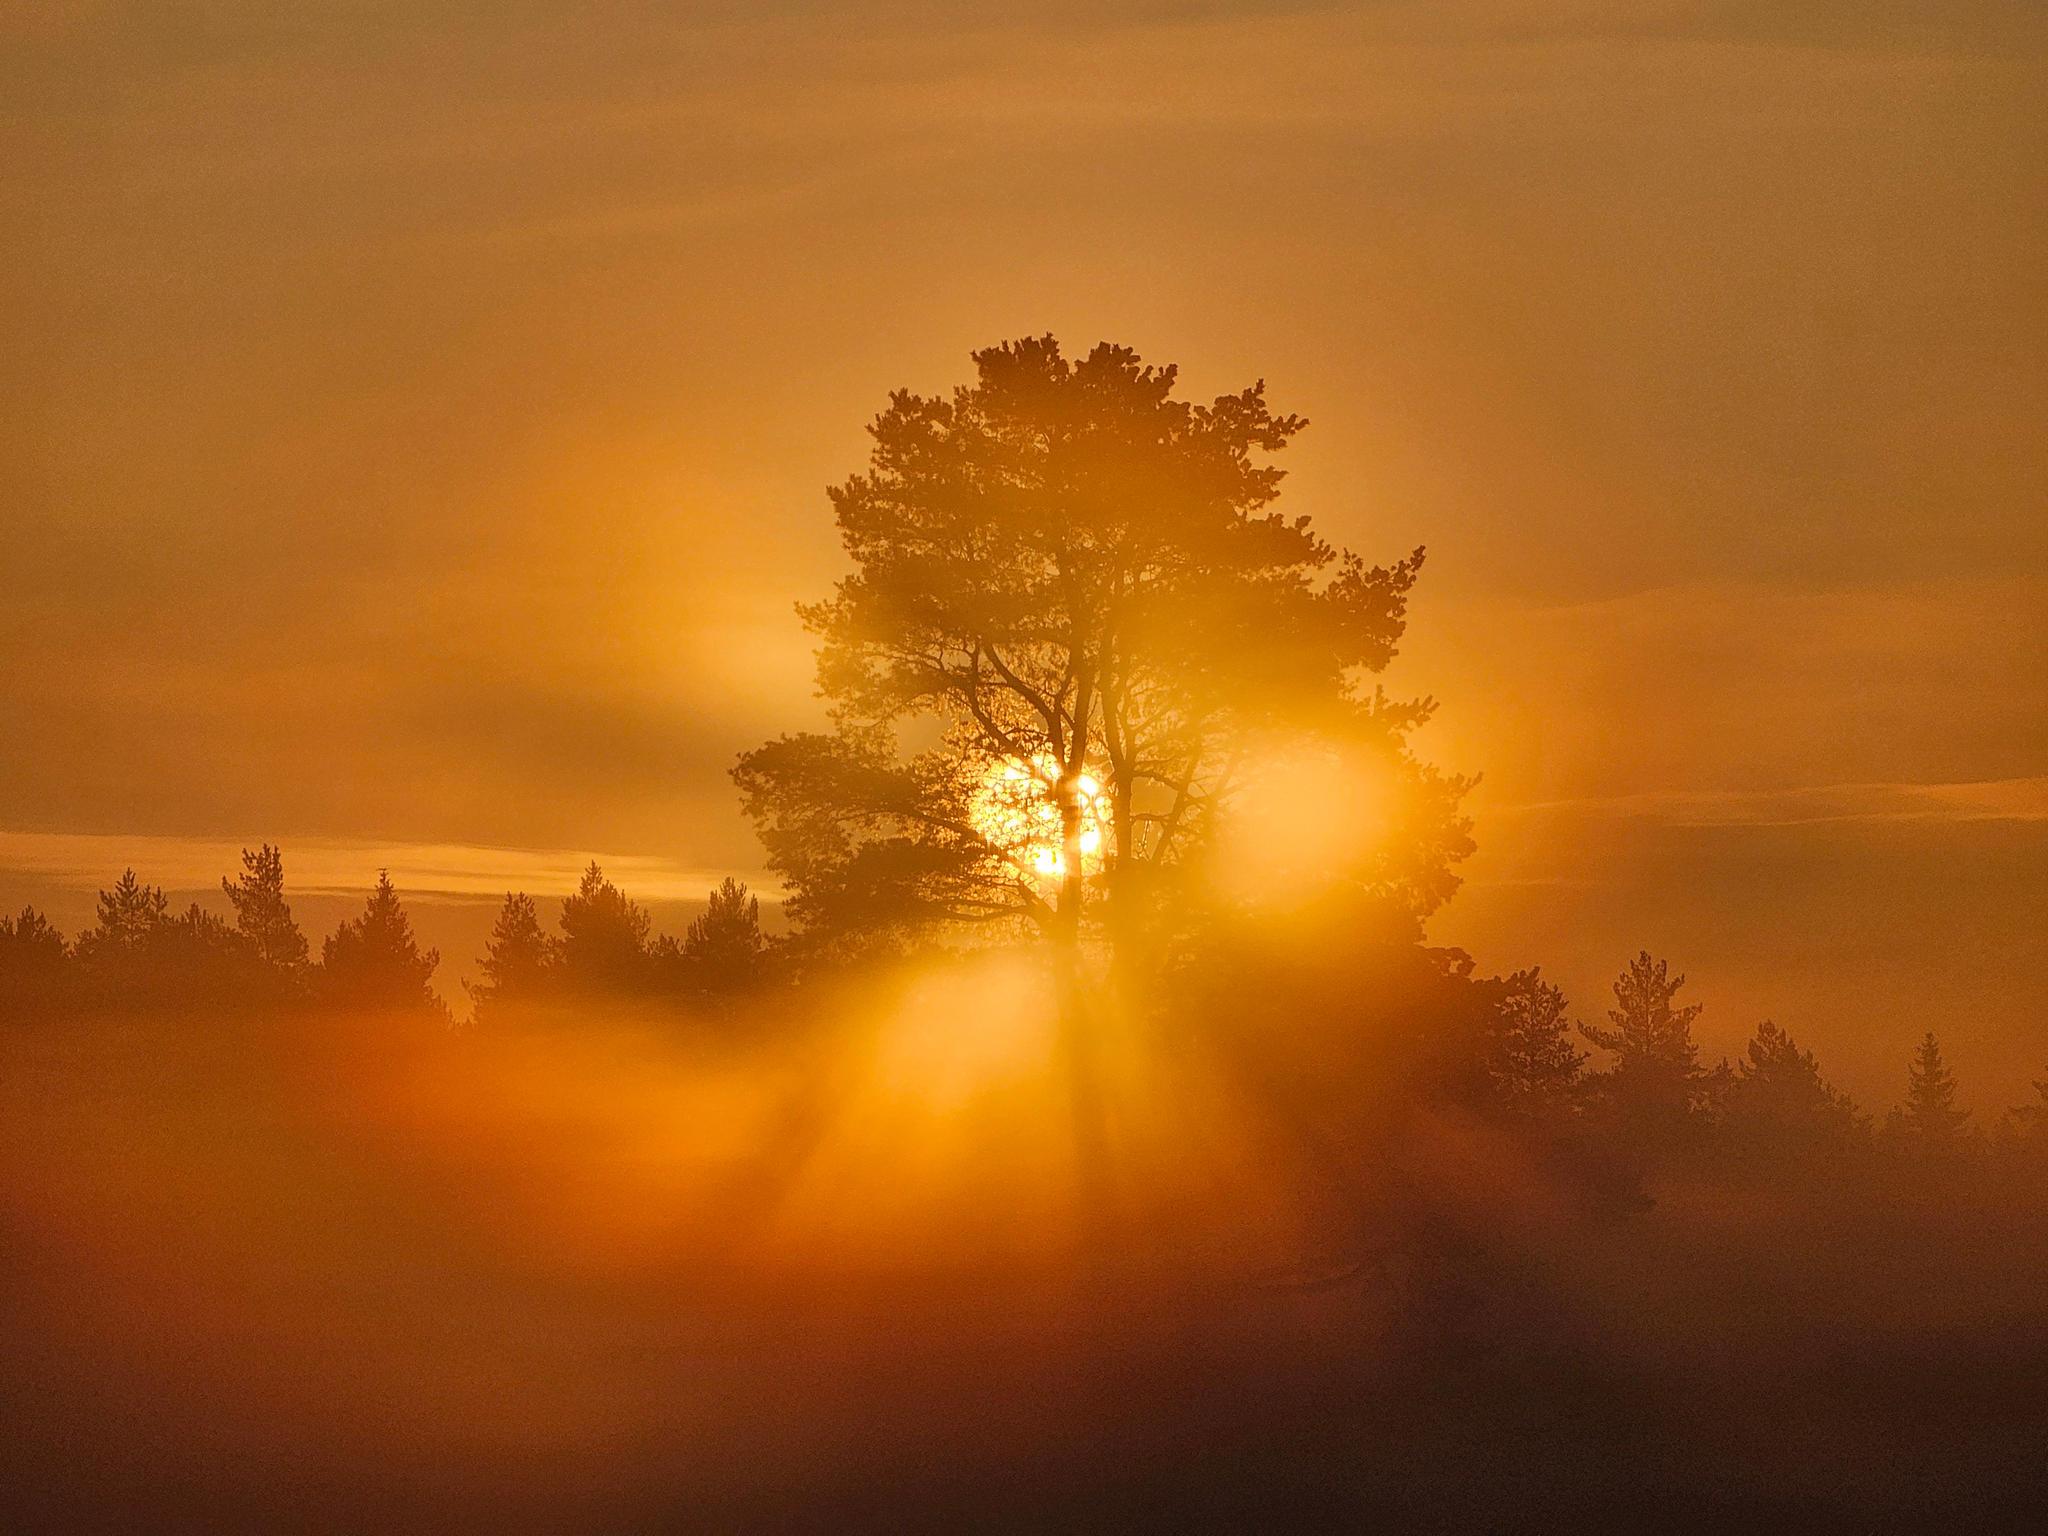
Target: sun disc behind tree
1016, 811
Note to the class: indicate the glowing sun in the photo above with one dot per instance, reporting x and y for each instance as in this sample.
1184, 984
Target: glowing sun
1016, 809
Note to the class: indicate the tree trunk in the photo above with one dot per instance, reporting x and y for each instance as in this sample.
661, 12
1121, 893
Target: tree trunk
1078, 1027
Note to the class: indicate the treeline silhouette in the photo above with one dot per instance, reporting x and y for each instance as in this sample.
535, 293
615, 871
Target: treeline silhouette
140, 954
1630, 1091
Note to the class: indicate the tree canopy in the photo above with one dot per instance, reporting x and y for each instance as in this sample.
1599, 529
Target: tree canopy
1077, 582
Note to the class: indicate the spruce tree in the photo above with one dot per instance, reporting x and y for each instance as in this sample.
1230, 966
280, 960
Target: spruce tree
1929, 1113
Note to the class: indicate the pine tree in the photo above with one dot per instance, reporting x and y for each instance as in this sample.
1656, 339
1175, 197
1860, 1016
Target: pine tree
31, 939
129, 916
1778, 1101
1929, 1114
1645, 1025
115, 954
1655, 1085
262, 916
33, 964
197, 957
1076, 578
1531, 1060
724, 945
374, 961
604, 937
137, 951
518, 957
2030, 1121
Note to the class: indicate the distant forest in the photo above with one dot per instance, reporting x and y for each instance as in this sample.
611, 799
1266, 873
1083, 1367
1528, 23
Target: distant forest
1628, 1091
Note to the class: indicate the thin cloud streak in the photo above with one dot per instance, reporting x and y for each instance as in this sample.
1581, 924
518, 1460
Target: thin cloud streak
2018, 799
84, 861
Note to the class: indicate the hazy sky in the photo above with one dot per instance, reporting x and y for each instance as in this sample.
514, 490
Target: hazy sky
417, 420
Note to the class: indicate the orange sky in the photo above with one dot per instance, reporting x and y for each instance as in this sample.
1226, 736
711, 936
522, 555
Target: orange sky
418, 419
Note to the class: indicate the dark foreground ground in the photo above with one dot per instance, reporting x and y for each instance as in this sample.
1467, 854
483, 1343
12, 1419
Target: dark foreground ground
365, 1280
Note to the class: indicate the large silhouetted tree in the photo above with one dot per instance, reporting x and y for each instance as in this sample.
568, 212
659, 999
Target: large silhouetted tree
373, 960
1079, 579
262, 916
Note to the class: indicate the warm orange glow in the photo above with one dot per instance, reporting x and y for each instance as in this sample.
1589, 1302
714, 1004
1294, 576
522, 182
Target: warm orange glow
1017, 811
1304, 818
